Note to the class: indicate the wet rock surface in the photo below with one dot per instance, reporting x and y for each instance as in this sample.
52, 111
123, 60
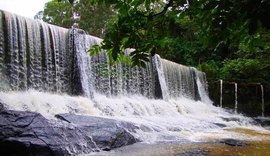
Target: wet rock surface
32, 134
29, 133
233, 142
220, 125
106, 133
228, 119
265, 122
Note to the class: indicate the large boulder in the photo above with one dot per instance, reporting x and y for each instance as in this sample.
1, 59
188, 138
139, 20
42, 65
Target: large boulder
106, 133
263, 121
29, 133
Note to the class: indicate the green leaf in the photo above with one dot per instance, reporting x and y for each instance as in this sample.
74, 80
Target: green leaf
136, 3
147, 4
94, 50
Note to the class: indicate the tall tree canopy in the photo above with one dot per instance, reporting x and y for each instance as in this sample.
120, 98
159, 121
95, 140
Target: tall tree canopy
189, 32
229, 26
153, 26
215, 32
87, 15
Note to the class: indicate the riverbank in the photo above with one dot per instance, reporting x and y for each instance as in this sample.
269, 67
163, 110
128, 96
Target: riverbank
259, 145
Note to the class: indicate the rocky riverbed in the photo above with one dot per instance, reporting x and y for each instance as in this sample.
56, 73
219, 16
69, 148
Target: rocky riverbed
218, 147
28, 133
252, 148
24, 133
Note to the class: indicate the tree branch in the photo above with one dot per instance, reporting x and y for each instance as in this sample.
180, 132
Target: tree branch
165, 9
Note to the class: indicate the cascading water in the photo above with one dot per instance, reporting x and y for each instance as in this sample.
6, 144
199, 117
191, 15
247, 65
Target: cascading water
262, 92
236, 99
202, 87
122, 79
162, 77
82, 60
166, 100
180, 80
221, 93
35, 55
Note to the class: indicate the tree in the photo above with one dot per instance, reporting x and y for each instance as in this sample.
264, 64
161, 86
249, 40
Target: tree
224, 25
227, 28
58, 13
88, 16
93, 18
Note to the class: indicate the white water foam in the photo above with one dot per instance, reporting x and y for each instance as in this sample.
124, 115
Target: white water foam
158, 120
47, 104
173, 120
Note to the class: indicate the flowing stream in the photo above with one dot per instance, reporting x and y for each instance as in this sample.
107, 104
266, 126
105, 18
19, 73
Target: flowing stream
46, 69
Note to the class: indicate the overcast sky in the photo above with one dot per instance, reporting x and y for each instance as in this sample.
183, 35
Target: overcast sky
26, 8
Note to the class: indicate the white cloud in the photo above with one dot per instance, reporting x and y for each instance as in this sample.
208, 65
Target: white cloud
26, 8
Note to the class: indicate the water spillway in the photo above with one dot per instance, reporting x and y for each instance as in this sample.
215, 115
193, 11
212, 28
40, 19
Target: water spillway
47, 69
36, 55
124, 80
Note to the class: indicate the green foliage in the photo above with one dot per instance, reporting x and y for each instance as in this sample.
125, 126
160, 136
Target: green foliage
88, 16
139, 25
240, 69
257, 46
120, 36
226, 20
95, 50
227, 39
212, 70
93, 18
205, 30
58, 13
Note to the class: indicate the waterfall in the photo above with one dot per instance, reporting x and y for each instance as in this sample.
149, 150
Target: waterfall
182, 81
236, 100
122, 79
47, 69
34, 54
83, 62
202, 87
162, 79
221, 94
262, 92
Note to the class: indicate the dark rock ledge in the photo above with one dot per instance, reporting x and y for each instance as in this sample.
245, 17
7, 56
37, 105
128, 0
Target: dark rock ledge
234, 142
31, 134
263, 121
